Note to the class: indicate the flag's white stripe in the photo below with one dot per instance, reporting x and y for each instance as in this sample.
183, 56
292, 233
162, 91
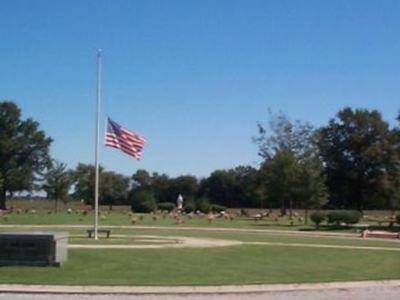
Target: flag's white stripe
120, 145
135, 141
127, 141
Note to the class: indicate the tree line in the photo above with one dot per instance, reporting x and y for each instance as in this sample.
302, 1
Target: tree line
353, 162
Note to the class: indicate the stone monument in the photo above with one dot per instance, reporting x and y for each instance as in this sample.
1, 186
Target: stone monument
33, 248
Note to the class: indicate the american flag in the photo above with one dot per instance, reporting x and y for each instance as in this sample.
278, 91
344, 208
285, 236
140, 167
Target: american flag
125, 140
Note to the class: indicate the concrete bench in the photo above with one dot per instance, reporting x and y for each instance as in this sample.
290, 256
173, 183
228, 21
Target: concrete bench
380, 234
106, 231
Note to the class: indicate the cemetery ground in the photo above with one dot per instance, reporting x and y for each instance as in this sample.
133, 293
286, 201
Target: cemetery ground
156, 251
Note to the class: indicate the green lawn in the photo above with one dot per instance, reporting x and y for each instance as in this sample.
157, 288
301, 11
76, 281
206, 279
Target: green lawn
232, 265
123, 218
245, 264
120, 218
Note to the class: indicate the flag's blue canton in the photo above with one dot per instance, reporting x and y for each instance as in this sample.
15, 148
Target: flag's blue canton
113, 127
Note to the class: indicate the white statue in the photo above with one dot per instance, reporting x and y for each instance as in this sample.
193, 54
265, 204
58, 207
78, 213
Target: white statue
179, 202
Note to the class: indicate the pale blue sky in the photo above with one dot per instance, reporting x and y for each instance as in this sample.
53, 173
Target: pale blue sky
194, 77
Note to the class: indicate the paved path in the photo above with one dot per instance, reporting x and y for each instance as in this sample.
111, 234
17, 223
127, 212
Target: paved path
182, 228
190, 242
347, 235
161, 242
365, 290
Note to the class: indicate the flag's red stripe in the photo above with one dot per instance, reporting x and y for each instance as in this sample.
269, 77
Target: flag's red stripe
133, 135
125, 140
126, 144
112, 142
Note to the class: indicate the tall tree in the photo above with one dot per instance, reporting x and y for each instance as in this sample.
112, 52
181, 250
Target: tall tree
142, 179
57, 182
288, 149
186, 185
280, 174
24, 151
237, 187
113, 189
160, 185
280, 134
83, 177
361, 159
310, 188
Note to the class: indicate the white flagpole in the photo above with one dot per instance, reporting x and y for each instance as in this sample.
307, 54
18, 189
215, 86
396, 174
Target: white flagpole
96, 189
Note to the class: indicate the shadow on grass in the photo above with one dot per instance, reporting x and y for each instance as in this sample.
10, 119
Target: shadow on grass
385, 228
307, 228
295, 226
330, 228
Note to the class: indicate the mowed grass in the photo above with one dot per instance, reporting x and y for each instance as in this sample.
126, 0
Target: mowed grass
121, 215
122, 218
246, 264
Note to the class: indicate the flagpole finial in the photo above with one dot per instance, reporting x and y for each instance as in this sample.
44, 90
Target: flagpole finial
99, 51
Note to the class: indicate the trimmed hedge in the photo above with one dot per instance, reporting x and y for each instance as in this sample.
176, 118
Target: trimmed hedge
143, 202
189, 206
166, 206
217, 208
344, 216
203, 204
317, 217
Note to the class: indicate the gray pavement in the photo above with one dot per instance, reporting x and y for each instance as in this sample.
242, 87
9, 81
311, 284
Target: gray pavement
372, 293
366, 290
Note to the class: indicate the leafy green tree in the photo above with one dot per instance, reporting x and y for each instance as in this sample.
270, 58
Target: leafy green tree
311, 190
221, 187
57, 182
142, 179
281, 134
113, 189
24, 151
186, 185
280, 177
235, 187
84, 182
292, 171
142, 201
361, 160
160, 187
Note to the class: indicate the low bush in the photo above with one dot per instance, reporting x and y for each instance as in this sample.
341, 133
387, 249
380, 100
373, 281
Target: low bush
203, 204
189, 206
318, 217
143, 202
166, 206
352, 217
344, 216
215, 208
